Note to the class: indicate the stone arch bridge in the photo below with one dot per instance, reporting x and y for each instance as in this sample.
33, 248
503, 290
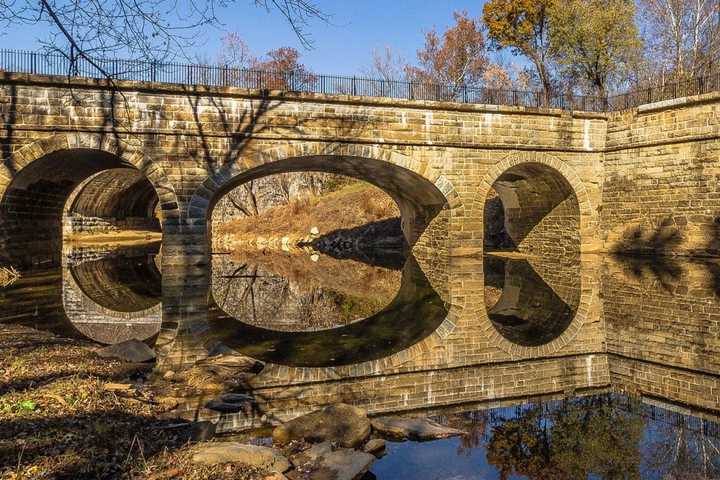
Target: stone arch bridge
645, 179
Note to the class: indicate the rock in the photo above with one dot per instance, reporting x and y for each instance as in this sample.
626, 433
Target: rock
314, 231
341, 464
413, 428
117, 387
314, 257
343, 424
231, 403
231, 361
375, 446
312, 454
169, 375
132, 351
254, 455
168, 403
222, 372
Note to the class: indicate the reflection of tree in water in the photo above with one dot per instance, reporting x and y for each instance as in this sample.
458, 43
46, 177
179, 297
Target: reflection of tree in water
683, 448
569, 440
285, 291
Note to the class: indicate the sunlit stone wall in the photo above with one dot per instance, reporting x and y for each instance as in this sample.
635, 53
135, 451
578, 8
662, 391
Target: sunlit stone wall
191, 141
661, 189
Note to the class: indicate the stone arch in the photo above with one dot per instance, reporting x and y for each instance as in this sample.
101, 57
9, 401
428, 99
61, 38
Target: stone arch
344, 159
33, 195
120, 198
579, 296
112, 300
547, 161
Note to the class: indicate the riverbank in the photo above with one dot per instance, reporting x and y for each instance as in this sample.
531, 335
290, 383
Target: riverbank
307, 218
67, 413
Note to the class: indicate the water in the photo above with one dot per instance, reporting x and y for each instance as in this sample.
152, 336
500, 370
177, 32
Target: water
588, 367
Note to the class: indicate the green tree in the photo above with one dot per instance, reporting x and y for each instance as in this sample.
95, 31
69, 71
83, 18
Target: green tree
522, 26
595, 42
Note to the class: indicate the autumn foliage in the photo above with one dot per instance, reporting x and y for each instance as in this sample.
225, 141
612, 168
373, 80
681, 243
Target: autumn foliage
456, 58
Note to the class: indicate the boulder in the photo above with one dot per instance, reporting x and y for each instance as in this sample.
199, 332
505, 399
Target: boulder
231, 403
376, 446
132, 351
224, 452
222, 372
413, 428
231, 362
312, 454
343, 424
341, 464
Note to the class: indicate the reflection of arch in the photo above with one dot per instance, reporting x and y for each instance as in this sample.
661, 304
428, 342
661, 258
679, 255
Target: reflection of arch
419, 191
416, 312
36, 180
532, 311
565, 277
555, 182
115, 298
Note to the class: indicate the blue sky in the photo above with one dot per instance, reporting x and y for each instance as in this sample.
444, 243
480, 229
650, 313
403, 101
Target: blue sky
342, 47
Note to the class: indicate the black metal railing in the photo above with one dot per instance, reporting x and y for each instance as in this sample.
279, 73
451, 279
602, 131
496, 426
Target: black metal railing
664, 92
42, 63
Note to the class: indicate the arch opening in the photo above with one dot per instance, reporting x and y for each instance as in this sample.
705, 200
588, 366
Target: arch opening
65, 184
414, 313
120, 199
531, 208
418, 199
531, 303
532, 262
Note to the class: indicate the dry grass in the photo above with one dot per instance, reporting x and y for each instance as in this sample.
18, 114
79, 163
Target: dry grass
351, 206
8, 276
60, 419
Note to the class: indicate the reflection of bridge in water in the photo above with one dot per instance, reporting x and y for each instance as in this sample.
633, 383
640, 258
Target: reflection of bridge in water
471, 360
628, 333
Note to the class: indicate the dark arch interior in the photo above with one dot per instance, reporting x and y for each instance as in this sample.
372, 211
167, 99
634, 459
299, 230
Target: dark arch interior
121, 198
419, 200
533, 209
537, 303
31, 210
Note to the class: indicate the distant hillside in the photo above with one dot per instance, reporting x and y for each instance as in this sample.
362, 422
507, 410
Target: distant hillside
351, 206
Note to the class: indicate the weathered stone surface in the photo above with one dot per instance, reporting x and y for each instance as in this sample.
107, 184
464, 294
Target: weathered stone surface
222, 372
413, 428
328, 464
257, 456
341, 423
133, 351
311, 454
375, 446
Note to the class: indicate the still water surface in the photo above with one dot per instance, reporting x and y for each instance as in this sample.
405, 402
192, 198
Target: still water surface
607, 367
